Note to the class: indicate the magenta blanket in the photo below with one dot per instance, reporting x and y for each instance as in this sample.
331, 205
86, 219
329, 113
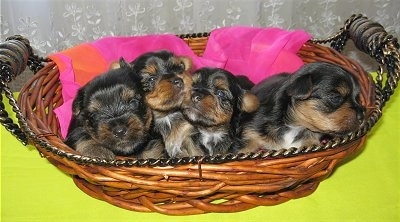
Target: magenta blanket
255, 52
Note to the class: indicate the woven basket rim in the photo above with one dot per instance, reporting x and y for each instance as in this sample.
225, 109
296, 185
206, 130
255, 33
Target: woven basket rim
262, 154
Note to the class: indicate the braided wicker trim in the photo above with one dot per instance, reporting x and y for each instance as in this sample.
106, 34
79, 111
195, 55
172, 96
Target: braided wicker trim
42, 94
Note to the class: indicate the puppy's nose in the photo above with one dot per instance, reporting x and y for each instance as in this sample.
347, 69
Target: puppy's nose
119, 131
196, 97
177, 82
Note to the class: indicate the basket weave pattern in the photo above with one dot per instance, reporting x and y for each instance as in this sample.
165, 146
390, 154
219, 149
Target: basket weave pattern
189, 188
199, 185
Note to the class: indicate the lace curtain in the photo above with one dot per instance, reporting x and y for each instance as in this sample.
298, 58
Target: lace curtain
54, 25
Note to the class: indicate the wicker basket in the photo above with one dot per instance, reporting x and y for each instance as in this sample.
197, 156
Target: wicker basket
196, 185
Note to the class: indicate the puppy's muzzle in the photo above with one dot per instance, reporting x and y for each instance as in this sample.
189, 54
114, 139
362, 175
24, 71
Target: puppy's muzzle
119, 131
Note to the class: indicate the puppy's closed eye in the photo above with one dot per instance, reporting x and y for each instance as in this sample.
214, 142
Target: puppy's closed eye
335, 99
134, 103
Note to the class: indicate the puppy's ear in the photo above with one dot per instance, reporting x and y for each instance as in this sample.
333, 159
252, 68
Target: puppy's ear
186, 62
77, 104
119, 64
114, 65
250, 102
301, 87
244, 82
123, 63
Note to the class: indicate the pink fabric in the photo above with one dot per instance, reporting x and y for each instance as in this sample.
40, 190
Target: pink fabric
129, 48
255, 52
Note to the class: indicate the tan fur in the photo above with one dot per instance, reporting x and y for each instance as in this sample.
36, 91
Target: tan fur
177, 138
149, 118
114, 65
256, 142
343, 90
86, 146
122, 127
165, 96
250, 102
150, 69
187, 62
182, 131
127, 94
187, 81
154, 150
134, 125
209, 107
303, 109
343, 119
196, 78
221, 84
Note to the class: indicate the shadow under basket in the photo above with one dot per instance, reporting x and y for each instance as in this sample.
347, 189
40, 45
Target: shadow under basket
197, 185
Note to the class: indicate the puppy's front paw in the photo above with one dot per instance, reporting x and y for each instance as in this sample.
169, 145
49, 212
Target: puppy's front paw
94, 150
100, 153
154, 150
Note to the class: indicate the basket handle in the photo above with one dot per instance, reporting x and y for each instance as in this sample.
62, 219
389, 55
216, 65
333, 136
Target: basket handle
15, 54
371, 37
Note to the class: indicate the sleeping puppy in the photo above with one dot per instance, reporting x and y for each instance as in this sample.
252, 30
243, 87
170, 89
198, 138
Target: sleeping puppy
214, 107
300, 109
109, 116
166, 80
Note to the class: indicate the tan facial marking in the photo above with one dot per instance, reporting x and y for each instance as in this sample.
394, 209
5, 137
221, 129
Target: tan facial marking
343, 90
221, 84
343, 119
127, 94
164, 97
213, 111
151, 69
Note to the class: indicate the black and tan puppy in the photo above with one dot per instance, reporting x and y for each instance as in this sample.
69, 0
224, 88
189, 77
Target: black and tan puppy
166, 80
320, 99
215, 106
109, 116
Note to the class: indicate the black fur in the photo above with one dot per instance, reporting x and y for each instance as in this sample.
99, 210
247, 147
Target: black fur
280, 98
215, 106
106, 122
166, 81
